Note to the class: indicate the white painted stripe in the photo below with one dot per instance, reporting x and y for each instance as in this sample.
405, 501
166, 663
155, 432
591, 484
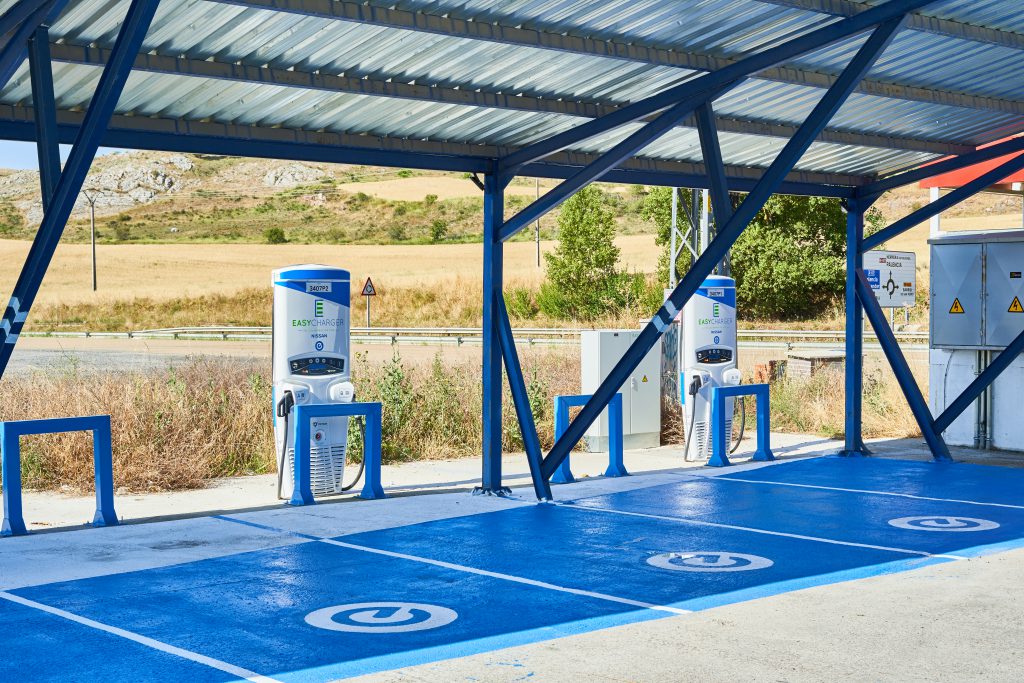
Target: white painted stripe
718, 525
869, 491
236, 671
507, 577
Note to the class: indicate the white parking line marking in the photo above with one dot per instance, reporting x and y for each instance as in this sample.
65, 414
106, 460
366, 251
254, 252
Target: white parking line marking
868, 491
236, 671
718, 525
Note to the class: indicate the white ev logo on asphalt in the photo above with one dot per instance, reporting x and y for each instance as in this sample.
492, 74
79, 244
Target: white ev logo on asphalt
943, 523
709, 562
381, 617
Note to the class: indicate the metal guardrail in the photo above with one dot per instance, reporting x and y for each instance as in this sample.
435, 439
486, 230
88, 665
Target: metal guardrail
459, 336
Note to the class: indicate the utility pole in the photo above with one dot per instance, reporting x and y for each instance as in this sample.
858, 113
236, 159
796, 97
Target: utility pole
91, 198
536, 229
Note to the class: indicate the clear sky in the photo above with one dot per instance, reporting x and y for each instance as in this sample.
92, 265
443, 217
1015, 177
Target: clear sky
22, 155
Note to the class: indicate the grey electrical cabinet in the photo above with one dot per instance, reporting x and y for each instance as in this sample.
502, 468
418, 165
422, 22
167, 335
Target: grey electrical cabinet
600, 351
977, 289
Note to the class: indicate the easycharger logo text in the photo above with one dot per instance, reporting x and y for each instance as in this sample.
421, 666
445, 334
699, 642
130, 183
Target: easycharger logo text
714, 321
317, 322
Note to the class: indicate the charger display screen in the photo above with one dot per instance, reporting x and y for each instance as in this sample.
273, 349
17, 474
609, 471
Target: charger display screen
317, 366
714, 356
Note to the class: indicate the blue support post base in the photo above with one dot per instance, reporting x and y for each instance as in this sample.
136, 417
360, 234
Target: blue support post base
719, 455
302, 490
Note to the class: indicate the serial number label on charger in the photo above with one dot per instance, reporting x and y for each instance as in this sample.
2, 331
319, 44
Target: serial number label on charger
318, 287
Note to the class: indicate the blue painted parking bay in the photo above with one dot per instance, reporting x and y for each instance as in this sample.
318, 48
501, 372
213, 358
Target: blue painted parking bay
331, 607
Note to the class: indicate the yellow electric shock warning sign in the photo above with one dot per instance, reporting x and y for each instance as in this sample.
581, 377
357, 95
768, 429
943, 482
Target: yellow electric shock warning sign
1015, 307
957, 308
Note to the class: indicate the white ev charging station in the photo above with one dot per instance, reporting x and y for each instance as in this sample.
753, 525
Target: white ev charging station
707, 356
311, 366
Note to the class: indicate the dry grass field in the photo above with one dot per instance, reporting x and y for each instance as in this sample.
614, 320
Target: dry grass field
172, 271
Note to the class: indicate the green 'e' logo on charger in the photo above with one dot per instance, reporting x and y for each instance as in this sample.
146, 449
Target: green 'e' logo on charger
318, 308
715, 311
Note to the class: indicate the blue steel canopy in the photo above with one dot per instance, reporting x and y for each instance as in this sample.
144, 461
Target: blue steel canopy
453, 84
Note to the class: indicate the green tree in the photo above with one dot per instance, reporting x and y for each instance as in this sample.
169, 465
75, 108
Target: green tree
582, 276
788, 263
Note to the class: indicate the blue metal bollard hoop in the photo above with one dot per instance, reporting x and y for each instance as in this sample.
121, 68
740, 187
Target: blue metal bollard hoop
616, 466
103, 467
719, 456
302, 491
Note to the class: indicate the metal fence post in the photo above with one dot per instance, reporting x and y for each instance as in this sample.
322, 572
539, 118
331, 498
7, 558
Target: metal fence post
563, 475
302, 490
103, 466
14, 522
616, 466
372, 489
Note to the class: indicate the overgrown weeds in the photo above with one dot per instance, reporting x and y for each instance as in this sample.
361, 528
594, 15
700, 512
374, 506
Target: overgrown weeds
182, 426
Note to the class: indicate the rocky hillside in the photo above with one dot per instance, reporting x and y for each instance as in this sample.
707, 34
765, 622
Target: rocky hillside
161, 197
124, 181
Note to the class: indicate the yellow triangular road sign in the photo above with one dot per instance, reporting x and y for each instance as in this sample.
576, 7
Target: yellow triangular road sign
1015, 307
957, 308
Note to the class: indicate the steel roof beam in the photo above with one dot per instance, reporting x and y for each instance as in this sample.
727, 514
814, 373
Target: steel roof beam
13, 52
263, 75
915, 22
715, 83
939, 167
944, 202
136, 132
349, 10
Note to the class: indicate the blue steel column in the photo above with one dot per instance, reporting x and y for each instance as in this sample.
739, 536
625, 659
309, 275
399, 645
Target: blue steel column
854, 331
101, 108
494, 208
47, 144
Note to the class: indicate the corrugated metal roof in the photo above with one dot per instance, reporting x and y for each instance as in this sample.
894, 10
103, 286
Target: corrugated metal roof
546, 63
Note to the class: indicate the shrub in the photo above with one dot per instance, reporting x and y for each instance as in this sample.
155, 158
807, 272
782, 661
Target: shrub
430, 199
397, 232
274, 236
521, 303
438, 230
404, 173
122, 232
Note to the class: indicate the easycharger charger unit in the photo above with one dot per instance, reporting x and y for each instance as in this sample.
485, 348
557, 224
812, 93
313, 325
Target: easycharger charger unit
707, 356
311, 366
